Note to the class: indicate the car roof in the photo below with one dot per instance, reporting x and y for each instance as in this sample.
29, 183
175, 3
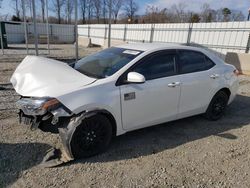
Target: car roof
146, 47
154, 46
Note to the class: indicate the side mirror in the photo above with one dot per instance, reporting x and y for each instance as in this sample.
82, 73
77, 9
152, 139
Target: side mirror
134, 77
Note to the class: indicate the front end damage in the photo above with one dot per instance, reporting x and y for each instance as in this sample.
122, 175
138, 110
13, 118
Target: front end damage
49, 115
41, 77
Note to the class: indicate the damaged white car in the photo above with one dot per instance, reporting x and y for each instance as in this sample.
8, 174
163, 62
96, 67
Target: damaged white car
121, 89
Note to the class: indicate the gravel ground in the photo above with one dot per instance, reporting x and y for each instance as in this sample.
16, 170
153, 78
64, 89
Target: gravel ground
192, 152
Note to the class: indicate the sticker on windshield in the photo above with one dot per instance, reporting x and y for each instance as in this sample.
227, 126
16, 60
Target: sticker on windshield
131, 52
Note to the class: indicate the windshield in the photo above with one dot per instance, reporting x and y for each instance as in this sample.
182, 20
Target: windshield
106, 62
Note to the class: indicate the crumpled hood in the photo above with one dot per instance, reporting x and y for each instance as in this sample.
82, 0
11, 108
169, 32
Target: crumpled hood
43, 77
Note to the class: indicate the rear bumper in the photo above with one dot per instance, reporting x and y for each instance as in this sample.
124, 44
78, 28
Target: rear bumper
233, 89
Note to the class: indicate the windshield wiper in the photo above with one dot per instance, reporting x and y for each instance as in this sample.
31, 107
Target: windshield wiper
90, 74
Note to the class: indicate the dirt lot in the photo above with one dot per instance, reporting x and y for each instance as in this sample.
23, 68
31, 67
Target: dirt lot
192, 152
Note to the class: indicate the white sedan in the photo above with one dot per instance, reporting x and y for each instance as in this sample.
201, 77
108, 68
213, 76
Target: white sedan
121, 89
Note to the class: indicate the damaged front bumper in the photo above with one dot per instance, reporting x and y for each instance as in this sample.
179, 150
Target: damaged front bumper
42, 112
49, 115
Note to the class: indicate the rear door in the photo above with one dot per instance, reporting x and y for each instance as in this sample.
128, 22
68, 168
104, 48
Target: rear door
199, 80
156, 100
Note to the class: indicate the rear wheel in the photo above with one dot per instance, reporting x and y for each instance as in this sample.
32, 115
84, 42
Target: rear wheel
91, 137
217, 106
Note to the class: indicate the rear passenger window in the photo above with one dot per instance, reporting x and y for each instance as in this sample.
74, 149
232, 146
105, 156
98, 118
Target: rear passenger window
191, 61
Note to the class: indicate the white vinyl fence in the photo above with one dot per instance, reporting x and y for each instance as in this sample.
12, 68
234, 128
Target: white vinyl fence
58, 32
221, 37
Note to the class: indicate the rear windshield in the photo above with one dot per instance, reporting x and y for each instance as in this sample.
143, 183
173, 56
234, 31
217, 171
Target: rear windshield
106, 62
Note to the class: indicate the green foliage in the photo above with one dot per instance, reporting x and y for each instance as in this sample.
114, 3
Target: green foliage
226, 11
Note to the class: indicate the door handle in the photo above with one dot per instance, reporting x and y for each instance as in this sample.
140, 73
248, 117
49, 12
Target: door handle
214, 76
174, 84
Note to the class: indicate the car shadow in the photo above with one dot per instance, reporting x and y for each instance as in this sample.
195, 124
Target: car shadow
15, 158
170, 135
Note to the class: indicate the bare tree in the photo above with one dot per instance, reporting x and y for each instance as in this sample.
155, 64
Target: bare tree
27, 8
0, 3
97, 7
86, 7
130, 9
155, 15
83, 6
69, 9
205, 13
57, 5
179, 10
30, 7
104, 10
43, 9
237, 15
16, 8
90, 10
116, 6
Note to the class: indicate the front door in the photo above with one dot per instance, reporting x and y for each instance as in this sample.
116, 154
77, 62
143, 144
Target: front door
156, 100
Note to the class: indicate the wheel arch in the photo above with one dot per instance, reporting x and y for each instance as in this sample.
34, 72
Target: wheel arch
109, 116
225, 90
67, 133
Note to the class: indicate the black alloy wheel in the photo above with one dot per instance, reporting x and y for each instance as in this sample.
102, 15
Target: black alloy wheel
91, 137
217, 106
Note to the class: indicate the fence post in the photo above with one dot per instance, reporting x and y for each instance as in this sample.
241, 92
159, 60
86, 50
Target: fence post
76, 29
152, 33
105, 32
25, 27
190, 28
125, 33
88, 31
248, 44
47, 26
1, 37
34, 23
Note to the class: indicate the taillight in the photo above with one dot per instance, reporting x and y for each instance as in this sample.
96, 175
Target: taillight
236, 72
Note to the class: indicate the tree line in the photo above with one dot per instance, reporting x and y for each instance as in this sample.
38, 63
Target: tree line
178, 13
123, 11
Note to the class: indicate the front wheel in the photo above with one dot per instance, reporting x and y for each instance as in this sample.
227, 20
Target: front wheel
217, 106
91, 137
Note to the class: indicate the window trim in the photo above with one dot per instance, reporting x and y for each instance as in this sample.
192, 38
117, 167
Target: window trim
121, 80
189, 50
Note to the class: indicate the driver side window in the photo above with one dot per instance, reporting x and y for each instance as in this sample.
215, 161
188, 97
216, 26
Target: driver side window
157, 66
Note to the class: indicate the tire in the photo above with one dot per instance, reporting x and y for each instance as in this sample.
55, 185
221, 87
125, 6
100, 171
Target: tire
217, 106
91, 137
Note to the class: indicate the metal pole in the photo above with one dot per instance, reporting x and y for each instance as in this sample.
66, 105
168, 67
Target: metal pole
34, 22
125, 32
47, 26
248, 14
152, 33
109, 36
76, 30
1, 37
25, 28
248, 44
